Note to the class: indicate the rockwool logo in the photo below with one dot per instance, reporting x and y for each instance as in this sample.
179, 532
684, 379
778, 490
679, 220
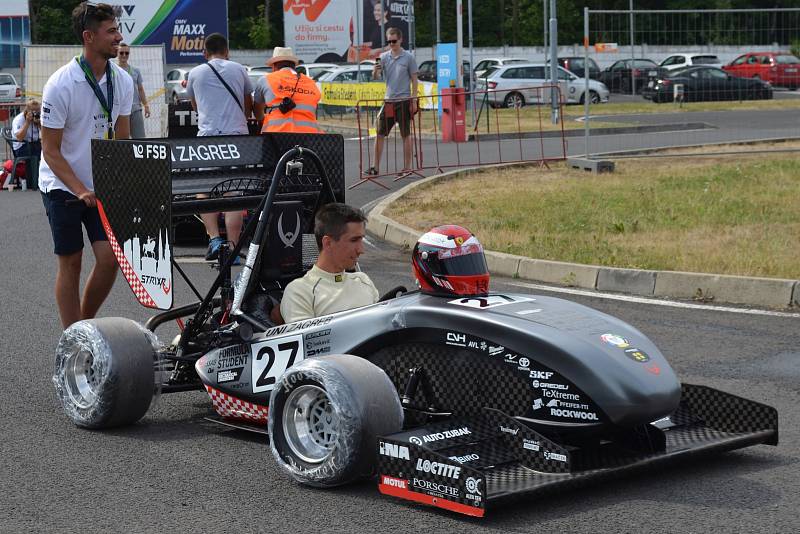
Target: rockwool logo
394, 482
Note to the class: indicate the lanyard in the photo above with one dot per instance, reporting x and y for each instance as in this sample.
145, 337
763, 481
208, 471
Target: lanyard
107, 105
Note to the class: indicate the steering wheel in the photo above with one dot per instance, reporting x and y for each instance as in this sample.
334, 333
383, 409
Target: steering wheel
393, 293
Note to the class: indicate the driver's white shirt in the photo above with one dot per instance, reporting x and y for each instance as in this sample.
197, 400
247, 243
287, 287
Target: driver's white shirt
321, 293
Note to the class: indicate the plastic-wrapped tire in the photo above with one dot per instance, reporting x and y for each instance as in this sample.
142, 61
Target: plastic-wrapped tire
104, 372
325, 415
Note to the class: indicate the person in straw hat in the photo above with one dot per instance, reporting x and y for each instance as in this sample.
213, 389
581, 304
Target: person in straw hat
285, 100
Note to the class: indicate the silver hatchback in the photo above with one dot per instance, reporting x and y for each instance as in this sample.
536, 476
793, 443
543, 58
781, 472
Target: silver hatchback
521, 83
9, 90
176, 85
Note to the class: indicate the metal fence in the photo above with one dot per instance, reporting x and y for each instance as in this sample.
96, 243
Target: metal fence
506, 131
701, 97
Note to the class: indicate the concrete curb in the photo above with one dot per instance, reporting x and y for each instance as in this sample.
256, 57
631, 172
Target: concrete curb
762, 292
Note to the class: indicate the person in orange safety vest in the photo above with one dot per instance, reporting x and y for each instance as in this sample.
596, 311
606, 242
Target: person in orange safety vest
290, 97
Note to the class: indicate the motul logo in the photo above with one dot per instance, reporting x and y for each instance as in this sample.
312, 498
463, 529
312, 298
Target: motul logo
398, 483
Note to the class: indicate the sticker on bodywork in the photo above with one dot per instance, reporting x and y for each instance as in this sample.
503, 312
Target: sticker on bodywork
490, 301
271, 358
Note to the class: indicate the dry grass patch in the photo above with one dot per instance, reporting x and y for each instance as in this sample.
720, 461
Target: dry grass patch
737, 215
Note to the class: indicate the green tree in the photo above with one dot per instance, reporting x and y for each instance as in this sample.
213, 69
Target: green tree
51, 22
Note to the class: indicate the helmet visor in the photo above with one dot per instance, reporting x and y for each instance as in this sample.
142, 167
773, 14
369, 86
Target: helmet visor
467, 260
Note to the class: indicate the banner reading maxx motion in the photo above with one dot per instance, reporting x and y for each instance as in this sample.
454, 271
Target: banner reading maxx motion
180, 25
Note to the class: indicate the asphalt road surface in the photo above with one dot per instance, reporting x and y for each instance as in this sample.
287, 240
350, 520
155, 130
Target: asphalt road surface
175, 472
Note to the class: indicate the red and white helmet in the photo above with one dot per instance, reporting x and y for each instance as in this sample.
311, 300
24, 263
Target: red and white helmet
449, 260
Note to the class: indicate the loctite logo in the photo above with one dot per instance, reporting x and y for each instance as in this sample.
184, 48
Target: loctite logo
394, 482
436, 468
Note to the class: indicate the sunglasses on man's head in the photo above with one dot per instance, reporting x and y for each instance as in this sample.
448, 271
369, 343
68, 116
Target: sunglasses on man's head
124, 53
391, 41
86, 12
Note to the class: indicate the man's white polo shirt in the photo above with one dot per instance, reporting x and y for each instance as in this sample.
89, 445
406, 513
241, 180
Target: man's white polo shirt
69, 103
321, 293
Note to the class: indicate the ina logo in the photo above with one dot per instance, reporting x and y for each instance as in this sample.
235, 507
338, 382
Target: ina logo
288, 238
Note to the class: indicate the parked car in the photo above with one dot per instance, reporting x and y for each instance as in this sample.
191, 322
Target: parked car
706, 83
516, 84
348, 74
681, 61
9, 90
777, 68
313, 70
575, 66
428, 71
619, 76
177, 79
485, 64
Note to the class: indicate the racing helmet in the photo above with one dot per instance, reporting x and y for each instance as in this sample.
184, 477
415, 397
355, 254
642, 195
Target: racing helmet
448, 260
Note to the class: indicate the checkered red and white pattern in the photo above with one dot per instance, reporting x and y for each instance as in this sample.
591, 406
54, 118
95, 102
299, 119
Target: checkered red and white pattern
130, 275
233, 408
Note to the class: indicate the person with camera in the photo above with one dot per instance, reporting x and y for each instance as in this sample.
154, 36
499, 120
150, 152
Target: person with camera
286, 100
26, 129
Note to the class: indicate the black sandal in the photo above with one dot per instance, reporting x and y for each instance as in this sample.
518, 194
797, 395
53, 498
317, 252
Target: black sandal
372, 171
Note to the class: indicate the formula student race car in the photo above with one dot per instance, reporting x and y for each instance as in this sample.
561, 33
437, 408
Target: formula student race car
460, 402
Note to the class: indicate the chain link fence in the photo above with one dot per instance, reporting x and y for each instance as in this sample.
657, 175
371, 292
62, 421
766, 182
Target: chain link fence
688, 78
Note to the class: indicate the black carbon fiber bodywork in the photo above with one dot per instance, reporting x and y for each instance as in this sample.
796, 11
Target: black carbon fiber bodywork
501, 460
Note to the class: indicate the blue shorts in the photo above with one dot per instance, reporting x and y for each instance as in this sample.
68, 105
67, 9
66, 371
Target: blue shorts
66, 220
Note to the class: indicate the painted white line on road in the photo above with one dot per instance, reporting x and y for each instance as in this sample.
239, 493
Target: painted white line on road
654, 301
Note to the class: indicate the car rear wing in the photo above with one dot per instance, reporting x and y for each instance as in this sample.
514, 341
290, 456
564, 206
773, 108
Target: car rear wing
141, 185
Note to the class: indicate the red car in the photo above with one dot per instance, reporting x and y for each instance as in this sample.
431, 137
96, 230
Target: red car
777, 68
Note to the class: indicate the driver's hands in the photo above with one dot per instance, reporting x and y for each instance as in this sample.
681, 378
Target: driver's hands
88, 198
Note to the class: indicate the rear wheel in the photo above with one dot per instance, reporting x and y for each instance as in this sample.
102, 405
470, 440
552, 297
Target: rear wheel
104, 372
594, 98
325, 416
514, 100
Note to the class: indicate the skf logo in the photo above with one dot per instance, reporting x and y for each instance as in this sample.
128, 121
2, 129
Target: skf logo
394, 482
149, 151
394, 451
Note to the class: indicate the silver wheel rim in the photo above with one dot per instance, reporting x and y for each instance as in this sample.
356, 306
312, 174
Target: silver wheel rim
515, 101
81, 378
310, 424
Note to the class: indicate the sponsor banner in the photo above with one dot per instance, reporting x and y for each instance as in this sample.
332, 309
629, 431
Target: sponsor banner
343, 30
180, 25
350, 94
320, 30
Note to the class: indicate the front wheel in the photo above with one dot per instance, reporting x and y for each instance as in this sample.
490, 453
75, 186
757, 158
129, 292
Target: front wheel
514, 100
104, 372
325, 415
